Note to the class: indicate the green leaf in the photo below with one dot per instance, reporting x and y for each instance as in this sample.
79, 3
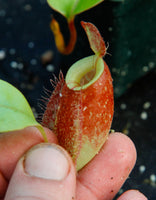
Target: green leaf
15, 112
118, 0
70, 8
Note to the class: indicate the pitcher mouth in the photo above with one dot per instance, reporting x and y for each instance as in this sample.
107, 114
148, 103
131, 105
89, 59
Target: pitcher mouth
84, 72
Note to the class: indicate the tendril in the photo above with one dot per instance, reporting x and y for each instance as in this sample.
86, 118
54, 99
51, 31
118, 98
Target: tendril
59, 40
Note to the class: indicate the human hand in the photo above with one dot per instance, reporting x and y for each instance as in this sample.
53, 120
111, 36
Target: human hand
46, 171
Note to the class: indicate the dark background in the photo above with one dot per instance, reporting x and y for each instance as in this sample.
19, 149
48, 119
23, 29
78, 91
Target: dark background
129, 28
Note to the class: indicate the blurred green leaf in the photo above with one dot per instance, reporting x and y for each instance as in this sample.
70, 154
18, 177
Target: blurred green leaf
118, 0
133, 43
15, 112
70, 8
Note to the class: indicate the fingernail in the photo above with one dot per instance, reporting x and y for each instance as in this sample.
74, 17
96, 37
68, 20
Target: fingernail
47, 161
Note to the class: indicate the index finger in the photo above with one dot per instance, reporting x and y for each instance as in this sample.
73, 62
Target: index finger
105, 174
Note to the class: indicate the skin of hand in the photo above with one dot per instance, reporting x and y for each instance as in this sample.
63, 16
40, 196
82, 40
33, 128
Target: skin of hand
31, 169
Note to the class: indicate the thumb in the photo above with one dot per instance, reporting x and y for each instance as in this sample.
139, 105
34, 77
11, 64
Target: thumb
45, 172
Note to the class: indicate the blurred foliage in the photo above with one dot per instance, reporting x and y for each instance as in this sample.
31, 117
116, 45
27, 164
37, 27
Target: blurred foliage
117, 0
70, 8
134, 42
